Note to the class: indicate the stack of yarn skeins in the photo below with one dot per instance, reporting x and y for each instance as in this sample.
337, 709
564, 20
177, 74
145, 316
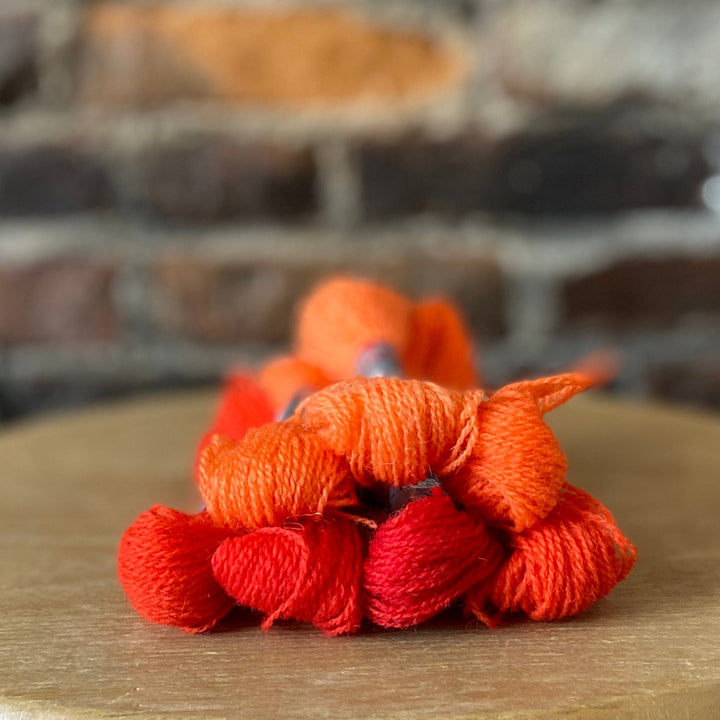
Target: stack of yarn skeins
368, 477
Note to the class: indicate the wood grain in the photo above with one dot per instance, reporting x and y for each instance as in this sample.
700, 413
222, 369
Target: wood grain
71, 647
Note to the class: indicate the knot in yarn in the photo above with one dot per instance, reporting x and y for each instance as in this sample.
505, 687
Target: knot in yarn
277, 471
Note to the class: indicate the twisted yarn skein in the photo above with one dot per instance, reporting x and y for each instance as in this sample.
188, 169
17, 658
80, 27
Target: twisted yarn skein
297, 572
275, 472
559, 567
422, 559
164, 566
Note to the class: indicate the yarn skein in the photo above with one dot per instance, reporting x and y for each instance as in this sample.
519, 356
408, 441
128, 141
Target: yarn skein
560, 567
391, 430
243, 405
276, 472
308, 571
422, 559
164, 566
344, 315
516, 468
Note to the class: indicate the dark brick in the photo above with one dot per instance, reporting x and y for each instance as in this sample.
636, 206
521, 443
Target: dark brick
644, 293
215, 179
584, 170
695, 382
414, 175
57, 300
18, 56
231, 302
49, 180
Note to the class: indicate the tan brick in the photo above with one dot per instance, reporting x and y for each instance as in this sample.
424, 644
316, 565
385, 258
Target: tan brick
142, 54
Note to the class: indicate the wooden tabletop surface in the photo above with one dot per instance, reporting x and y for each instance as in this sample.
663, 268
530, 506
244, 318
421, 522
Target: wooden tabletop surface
72, 647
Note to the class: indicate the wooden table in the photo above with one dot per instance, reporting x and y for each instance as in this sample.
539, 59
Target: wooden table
72, 647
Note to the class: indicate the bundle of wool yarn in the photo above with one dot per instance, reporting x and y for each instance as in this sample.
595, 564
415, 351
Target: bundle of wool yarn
368, 477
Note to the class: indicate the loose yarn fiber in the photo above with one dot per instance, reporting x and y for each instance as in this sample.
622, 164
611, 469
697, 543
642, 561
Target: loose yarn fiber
298, 521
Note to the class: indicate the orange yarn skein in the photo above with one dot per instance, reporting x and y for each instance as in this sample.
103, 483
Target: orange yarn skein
439, 348
277, 471
559, 567
390, 430
516, 468
343, 316
337, 321
283, 377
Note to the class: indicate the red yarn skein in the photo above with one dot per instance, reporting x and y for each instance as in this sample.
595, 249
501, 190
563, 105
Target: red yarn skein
309, 572
164, 566
422, 559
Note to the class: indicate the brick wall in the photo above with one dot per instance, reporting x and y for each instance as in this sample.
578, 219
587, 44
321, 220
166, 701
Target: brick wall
174, 176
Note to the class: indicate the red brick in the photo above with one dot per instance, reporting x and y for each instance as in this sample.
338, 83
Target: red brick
147, 54
234, 301
644, 293
57, 300
214, 178
227, 302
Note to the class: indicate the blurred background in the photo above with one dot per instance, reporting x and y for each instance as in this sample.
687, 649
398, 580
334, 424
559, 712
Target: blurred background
174, 175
